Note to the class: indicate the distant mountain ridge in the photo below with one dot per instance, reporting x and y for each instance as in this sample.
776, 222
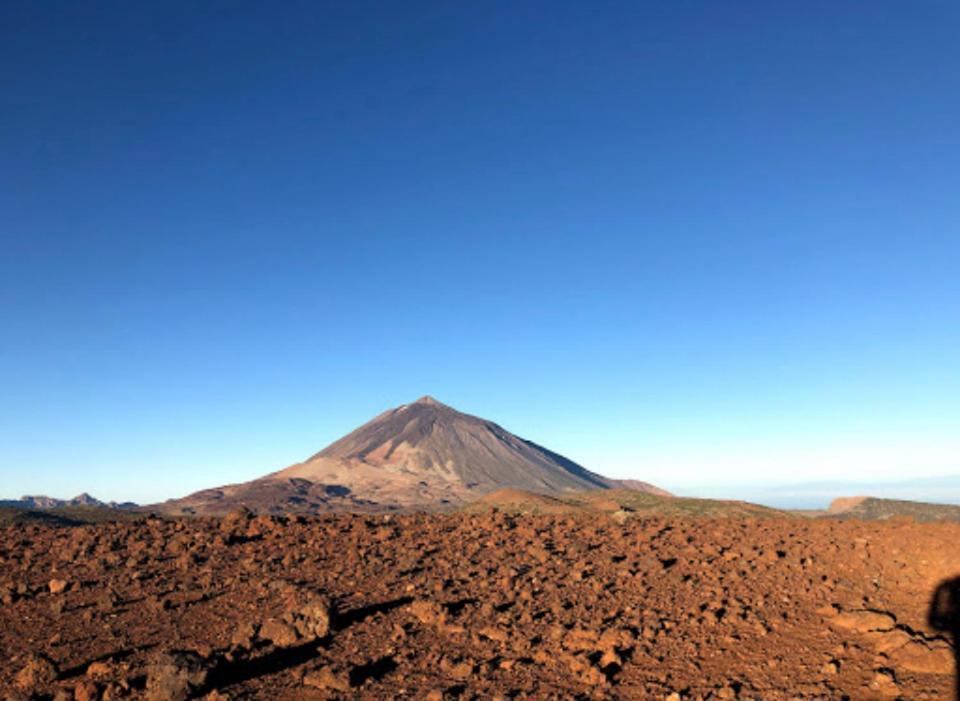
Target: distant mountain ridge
419, 455
816, 495
45, 502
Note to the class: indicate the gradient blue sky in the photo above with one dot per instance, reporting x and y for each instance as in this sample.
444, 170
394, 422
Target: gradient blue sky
689, 242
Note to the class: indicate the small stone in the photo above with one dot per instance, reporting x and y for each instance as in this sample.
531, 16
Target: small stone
243, 636
86, 690
312, 620
327, 678
885, 683
458, 670
278, 633
57, 586
37, 671
864, 621
98, 670
428, 612
175, 676
108, 600
493, 633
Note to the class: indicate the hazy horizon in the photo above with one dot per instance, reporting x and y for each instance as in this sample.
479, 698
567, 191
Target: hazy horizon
692, 244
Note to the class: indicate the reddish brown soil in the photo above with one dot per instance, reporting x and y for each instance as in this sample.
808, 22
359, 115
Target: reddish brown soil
475, 606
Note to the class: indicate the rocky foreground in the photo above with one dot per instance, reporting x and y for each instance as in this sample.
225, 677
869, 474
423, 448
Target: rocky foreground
484, 605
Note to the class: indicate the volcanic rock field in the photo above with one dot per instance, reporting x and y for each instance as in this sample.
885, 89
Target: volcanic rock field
484, 605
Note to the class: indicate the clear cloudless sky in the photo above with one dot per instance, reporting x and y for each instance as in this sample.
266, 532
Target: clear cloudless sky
695, 243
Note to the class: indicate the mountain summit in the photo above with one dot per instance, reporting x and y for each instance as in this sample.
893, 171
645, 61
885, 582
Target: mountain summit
419, 455
431, 440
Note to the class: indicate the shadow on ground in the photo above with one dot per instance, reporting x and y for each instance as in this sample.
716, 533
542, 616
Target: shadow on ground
945, 617
237, 671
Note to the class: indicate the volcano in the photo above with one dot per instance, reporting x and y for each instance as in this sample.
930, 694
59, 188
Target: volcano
421, 455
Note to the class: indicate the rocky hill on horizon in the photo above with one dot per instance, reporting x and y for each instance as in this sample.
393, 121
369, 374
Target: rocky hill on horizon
43, 502
875, 509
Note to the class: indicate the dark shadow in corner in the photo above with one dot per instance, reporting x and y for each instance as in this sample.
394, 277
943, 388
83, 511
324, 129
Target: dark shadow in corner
944, 616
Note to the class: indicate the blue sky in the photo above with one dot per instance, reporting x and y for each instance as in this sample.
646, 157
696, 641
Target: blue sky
688, 242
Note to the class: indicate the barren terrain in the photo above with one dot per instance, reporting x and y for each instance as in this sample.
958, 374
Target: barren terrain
475, 605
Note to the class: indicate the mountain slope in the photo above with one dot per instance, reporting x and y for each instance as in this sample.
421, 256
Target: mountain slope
425, 454
622, 504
